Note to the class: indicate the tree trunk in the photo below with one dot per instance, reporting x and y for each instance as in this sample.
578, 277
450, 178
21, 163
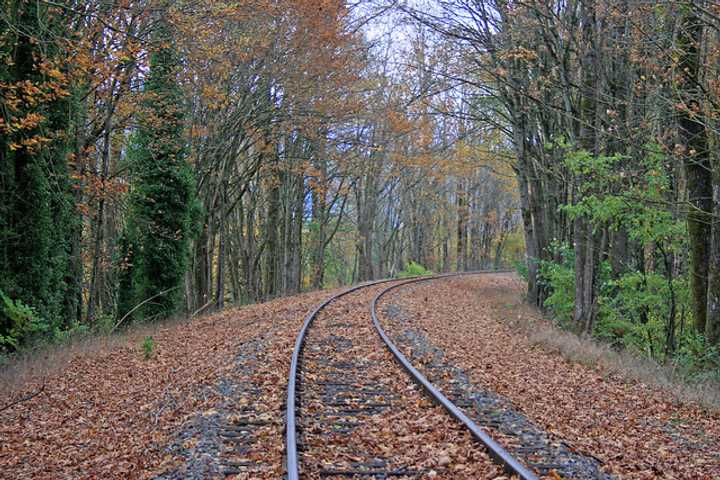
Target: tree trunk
585, 243
220, 285
530, 242
367, 210
712, 322
294, 245
697, 163
462, 229
271, 233
318, 264
99, 230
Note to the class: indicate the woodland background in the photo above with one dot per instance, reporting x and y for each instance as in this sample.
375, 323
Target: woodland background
169, 158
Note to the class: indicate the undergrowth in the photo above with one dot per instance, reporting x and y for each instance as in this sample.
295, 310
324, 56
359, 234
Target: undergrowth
148, 346
634, 315
617, 347
47, 354
414, 269
700, 389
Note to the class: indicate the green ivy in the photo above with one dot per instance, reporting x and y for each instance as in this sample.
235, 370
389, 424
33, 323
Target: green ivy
38, 218
155, 244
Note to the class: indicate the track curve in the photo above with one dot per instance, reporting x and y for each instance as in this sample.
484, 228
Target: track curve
291, 451
496, 452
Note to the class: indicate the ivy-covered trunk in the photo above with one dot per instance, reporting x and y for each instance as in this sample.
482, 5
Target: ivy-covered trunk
162, 201
712, 323
38, 220
694, 149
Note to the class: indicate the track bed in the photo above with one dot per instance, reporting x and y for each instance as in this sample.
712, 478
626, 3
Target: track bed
360, 415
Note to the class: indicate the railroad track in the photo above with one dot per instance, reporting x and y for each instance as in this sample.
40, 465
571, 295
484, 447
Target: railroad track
528, 444
340, 393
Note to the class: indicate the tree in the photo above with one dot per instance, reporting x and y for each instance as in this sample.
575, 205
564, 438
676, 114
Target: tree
162, 203
582, 79
37, 212
696, 155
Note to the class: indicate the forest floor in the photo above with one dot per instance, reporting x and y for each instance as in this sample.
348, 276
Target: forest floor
112, 413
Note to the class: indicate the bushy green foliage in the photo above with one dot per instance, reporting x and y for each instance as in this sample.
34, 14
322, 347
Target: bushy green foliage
74, 331
413, 269
155, 245
521, 267
618, 198
696, 359
25, 329
634, 311
559, 277
634, 305
104, 324
19, 322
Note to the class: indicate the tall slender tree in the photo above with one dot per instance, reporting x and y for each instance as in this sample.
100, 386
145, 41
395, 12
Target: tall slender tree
696, 158
158, 229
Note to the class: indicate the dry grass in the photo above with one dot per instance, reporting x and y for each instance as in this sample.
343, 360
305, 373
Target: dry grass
34, 364
622, 364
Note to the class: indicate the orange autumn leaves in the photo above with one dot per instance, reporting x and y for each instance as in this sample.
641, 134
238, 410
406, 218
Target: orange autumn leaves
301, 48
22, 103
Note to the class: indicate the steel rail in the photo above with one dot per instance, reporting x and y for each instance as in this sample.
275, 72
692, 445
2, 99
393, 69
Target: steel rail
497, 452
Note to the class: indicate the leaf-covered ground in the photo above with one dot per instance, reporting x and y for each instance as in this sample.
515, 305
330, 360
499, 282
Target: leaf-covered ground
113, 414
637, 431
397, 428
